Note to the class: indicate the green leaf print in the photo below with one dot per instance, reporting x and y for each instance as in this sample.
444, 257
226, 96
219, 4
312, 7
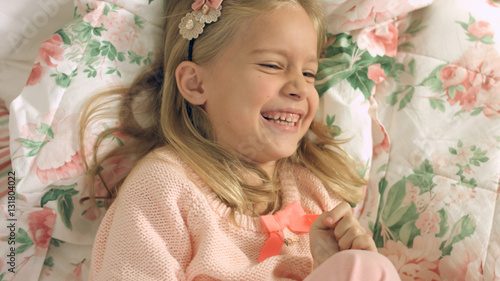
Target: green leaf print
410, 90
106, 10
65, 208
433, 81
63, 80
83, 31
463, 228
108, 49
139, 21
443, 224
64, 196
408, 232
378, 230
423, 177
46, 130
437, 104
394, 199
415, 27
488, 40
23, 238
478, 157
476, 111
49, 262
329, 122
147, 60
56, 242
134, 57
64, 37
395, 221
34, 147
92, 72
112, 70
345, 61
93, 48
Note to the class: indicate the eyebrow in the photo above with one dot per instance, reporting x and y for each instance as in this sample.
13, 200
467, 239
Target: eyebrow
279, 52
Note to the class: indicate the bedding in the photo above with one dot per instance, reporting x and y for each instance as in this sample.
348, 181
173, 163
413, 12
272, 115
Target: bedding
414, 87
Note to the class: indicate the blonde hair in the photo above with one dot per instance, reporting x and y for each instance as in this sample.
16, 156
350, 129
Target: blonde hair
167, 119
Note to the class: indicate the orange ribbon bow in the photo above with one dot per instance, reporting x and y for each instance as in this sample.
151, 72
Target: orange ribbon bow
293, 217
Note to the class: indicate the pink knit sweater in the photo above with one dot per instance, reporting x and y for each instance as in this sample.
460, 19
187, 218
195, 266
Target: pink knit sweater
166, 224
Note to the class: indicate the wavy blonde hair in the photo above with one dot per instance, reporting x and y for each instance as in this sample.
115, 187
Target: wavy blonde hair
154, 114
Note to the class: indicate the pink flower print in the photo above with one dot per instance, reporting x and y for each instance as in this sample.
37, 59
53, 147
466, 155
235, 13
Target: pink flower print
384, 146
40, 227
419, 3
480, 29
494, 3
428, 222
96, 17
467, 99
462, 157
418, 263
375, 73
411, 194
459, 85
35, 75
51, 50
460, 194
464, 263
121, 33
56, 154
452, 75
114, 170
76, 275
379, 41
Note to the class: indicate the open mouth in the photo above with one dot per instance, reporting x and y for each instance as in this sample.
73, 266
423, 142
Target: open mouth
286, 119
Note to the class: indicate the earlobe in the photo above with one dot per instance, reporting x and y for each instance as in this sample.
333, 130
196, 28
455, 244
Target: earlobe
188, 78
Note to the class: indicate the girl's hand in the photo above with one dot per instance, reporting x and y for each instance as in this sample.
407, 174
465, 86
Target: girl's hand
335, 231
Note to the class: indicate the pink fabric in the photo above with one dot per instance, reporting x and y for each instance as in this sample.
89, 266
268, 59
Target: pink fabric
355, 265
168, 225
292, 217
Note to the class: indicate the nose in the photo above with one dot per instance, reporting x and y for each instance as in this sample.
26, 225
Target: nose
296, 86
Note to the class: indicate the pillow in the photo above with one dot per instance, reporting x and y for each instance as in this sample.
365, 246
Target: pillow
25, 24
107, 44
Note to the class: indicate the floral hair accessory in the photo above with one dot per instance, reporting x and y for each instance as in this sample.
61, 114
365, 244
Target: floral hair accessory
204, 12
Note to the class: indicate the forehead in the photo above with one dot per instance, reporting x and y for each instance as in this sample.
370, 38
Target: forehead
287, 29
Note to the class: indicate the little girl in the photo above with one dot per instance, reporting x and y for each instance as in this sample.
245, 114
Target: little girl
234, 179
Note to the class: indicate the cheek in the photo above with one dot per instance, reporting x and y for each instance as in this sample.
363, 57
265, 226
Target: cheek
313, 102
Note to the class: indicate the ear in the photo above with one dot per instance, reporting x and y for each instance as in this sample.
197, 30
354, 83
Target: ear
189, 82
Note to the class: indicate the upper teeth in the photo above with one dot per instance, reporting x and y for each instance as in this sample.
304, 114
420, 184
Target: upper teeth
293, 119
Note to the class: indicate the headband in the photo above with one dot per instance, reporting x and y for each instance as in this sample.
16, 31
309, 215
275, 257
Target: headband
192, 24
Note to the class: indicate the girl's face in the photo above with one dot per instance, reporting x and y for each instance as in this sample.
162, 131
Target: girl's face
260, 94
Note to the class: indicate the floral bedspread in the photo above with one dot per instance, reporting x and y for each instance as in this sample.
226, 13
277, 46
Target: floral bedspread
414, 86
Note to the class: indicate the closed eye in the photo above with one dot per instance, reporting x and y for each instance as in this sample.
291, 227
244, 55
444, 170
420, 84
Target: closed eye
272, 66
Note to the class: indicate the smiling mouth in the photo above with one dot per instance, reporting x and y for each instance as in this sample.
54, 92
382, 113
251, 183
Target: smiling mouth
286, 119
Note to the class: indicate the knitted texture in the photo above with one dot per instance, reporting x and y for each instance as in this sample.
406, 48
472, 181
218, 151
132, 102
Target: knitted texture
166, 224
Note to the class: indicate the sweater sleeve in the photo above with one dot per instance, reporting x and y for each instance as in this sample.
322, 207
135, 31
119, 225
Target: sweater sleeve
144, 235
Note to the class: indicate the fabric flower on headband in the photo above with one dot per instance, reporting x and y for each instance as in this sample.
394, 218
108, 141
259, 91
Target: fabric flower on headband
204, 12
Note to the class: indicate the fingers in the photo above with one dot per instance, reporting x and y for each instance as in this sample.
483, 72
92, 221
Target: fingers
364, 242
356, 238
347, 229
332, 218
